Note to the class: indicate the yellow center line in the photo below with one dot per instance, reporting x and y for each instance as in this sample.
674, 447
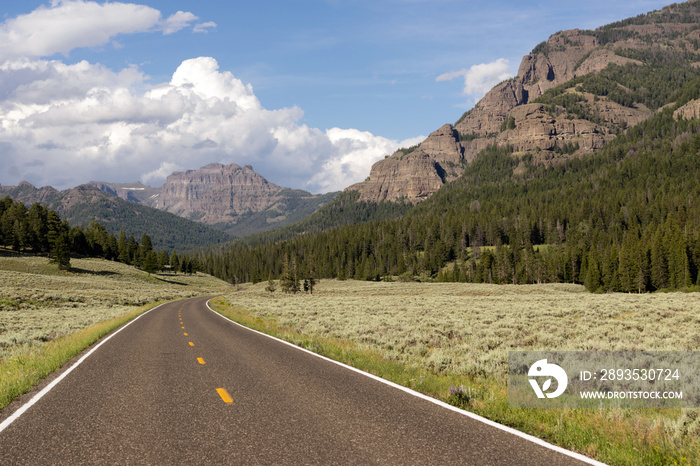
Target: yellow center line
191, 344
183, 328
224, 395
185, 334
201, 361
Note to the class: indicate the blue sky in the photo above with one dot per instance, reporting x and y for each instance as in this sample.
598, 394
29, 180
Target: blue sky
331, 86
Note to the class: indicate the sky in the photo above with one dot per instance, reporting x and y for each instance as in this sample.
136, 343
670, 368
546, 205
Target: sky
310, 93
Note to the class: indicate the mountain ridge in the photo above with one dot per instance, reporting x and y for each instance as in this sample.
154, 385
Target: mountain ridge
521, 112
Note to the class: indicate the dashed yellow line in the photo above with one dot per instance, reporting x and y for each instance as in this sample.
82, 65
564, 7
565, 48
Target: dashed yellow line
224, 395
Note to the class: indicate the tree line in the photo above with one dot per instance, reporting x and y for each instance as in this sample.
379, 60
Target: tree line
40, 230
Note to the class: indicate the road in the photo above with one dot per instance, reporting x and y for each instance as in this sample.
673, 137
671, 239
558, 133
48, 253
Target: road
182, 385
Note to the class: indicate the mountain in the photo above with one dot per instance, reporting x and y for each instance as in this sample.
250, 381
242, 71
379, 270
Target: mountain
573, 94
227, 197
593, 181
622, 219
86, 203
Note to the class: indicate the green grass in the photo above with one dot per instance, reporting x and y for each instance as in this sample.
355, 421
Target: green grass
30, 365
430, 337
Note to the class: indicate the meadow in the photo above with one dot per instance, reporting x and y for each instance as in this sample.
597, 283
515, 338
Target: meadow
438, 337
39, 303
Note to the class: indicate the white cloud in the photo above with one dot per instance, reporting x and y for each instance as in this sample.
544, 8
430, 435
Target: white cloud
202, 76
162, 172
354, 154
64, 125
177, 22
66, 25
479, 79
69, 24
204, 27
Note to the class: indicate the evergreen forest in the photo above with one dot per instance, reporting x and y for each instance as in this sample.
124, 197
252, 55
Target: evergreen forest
40, 230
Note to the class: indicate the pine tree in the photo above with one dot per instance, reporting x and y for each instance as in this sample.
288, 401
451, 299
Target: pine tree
310, 281
659, 261
123, 248
290, 279
150, 262
61, 252
163, 259
175, 262
36, 217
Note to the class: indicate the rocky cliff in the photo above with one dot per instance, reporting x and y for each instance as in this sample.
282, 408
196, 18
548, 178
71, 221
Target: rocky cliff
570, 120
216, 193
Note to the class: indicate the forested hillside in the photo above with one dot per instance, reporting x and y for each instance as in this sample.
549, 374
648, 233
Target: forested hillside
625, 218
345, 209
85, 204
40, 230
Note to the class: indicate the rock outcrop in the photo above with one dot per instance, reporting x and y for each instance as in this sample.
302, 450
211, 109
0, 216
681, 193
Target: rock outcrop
216, 193
421, 171
689, 111
508, 115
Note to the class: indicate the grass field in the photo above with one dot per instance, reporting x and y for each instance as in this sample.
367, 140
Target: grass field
48, 316
432, 335
39, 303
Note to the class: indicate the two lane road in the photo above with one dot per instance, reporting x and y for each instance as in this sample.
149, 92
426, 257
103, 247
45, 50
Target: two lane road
181, 384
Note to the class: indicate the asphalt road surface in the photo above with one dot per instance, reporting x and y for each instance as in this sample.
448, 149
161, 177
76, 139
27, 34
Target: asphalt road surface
182, 385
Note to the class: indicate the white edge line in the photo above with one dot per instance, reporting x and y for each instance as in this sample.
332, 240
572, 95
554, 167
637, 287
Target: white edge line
50, 386
471, 415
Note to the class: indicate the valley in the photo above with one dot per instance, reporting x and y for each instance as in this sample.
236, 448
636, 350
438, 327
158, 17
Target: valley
560, 213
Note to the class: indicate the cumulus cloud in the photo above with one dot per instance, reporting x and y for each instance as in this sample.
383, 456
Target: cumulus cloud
69, 24
354, 152
66, 124
85, 122
479, 79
